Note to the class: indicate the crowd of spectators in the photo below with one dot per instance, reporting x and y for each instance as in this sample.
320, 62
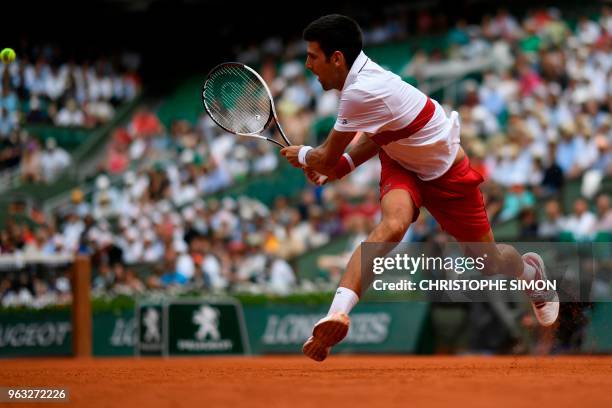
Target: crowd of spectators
42, 88
544, 120
153, 213
538, 119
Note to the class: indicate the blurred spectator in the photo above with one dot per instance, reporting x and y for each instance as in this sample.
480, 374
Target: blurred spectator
568, 151
554, 222
10, 151
516, 199
34, 91
70, 115
30, 166
529, 224
280, 279
144, 123
99, 111
8, 122
604, 213
581, 224
171, 275
36, 114
553, 179
53, 160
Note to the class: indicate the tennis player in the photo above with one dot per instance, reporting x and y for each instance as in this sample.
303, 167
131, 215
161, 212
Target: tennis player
423, 165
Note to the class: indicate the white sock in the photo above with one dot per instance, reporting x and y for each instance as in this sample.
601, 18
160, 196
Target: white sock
344, 301
528, 272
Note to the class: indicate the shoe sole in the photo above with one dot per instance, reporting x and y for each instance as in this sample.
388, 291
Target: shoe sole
554, 301
315, 350
325, 335
331, 332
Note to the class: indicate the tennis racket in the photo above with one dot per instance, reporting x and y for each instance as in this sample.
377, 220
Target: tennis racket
237, 99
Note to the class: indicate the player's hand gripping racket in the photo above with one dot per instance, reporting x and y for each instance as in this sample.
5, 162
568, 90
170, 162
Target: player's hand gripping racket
239, 101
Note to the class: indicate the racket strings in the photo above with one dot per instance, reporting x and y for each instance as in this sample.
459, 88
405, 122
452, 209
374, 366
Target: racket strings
237, 100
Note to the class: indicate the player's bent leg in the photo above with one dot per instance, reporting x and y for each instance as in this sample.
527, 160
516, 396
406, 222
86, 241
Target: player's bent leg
501, 259
397, 213
505, 259
466, 219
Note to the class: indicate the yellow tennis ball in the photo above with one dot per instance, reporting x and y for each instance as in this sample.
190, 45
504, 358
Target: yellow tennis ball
7, 55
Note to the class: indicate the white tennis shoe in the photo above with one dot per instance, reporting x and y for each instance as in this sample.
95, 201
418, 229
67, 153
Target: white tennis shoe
545, 303
328, 332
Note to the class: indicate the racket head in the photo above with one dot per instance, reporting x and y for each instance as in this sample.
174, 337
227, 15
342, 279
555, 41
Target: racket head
237, 99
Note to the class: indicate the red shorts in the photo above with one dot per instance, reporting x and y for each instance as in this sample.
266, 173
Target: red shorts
453, 199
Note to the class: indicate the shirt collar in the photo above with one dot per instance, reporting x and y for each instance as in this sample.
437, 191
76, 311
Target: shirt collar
357, 66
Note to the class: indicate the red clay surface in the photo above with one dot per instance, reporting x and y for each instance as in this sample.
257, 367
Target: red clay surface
353, 381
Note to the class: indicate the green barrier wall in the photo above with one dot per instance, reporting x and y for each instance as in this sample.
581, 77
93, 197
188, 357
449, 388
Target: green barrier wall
114, 333
375, 327
49, 333
35, 333
598, 337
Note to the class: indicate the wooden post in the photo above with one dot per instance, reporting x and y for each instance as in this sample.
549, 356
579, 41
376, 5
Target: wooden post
81, 307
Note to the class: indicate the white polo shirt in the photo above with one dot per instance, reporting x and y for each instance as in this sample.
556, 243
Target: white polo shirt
374, 100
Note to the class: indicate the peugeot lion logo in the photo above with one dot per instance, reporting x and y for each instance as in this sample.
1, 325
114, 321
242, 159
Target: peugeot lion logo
208, 319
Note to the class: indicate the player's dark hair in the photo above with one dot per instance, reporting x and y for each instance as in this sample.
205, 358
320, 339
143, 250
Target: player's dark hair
336, 32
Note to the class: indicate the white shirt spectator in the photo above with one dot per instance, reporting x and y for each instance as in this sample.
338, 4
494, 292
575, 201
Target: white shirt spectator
550, 229
137, 149
132, 246
118, 87
224, 217
282, 278
70, 115
588, 31
72, 233
588, 152
582, 226
152, 252
35, 79
55, 85
211, 267
185, 265
265, 163
327, 104
94, 88
252, 267
53, 160
106, 88
184, 194
132, 252
101, 110
297, 94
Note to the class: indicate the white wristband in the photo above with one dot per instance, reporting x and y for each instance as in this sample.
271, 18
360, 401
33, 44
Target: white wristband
302, 154
349, 159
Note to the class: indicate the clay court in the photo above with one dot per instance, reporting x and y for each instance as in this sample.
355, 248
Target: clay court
362, 381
